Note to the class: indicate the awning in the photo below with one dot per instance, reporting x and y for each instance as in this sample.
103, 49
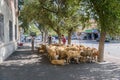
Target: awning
91, 31
88, 31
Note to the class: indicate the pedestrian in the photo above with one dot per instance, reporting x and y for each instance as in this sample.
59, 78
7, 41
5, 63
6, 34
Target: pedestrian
49, 39
63, 39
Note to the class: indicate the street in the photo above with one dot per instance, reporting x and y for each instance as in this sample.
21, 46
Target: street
111, 48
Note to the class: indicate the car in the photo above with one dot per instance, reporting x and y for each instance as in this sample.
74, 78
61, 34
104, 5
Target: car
38, 40
106, 40
53, 40
73, 38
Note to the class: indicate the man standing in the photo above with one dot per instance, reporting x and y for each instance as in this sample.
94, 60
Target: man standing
49, 39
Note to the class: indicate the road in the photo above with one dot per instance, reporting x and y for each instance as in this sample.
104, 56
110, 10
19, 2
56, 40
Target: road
111, 48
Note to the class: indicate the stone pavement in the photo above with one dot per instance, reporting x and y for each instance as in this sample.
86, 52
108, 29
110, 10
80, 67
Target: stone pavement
25, 65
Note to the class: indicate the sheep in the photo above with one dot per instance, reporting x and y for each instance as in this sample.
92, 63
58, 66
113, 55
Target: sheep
58, 62
52, 52
42, 48
86, 54
72, 47
80, 53
95, 54
61, 52
73, 54
57, 44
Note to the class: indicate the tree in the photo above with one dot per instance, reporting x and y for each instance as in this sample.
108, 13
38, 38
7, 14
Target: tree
59, 16
23, 22
109, 16
50, 13
71, 24
106, 15
71, 20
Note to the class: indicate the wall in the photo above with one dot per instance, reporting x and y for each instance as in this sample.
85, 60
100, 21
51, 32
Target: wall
8, 10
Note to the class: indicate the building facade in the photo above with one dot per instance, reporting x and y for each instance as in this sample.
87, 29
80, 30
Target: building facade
8, 27
90, 32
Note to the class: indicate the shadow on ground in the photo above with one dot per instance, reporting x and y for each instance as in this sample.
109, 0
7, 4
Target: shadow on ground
25, 65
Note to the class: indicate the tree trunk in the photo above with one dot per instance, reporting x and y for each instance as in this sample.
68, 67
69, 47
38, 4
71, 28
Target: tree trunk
32, 43
42, 35
59, 38
45, 34
69, 37
101, 46
42, 32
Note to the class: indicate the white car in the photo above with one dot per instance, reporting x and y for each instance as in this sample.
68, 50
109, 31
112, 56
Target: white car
53, 40
37, 40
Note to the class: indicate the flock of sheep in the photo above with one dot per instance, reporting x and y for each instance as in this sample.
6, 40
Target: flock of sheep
59, 54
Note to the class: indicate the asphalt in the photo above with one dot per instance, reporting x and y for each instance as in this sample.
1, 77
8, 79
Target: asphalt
25, 65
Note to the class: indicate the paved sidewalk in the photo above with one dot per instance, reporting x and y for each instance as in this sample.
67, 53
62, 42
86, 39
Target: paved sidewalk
112, 59
24, 65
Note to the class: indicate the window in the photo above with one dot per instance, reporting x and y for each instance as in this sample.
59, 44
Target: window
15, 32
10, 31
15, 3
1, 28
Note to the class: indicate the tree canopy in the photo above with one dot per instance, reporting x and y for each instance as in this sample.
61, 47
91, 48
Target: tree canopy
51, 13
65, 15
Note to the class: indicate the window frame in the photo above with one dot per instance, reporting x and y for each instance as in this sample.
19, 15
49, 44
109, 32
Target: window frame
10, 30
16, 32
1, 28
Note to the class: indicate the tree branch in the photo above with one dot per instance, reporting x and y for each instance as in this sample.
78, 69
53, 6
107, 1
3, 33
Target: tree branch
48, 9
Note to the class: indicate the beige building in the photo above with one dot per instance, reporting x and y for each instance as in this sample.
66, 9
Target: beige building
8, 27
90, 32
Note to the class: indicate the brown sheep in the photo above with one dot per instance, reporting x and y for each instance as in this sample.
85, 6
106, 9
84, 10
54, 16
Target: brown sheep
51, 52
95, 54
58, 62
86, 54
42, 48
73, 54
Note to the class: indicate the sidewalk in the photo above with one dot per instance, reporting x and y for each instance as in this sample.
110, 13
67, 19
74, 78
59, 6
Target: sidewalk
25, 65
112, 59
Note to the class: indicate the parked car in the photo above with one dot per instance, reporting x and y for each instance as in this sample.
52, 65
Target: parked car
53, 40
106, 39
38, 40
73, 37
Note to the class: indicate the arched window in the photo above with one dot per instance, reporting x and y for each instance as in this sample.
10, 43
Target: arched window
1, 28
